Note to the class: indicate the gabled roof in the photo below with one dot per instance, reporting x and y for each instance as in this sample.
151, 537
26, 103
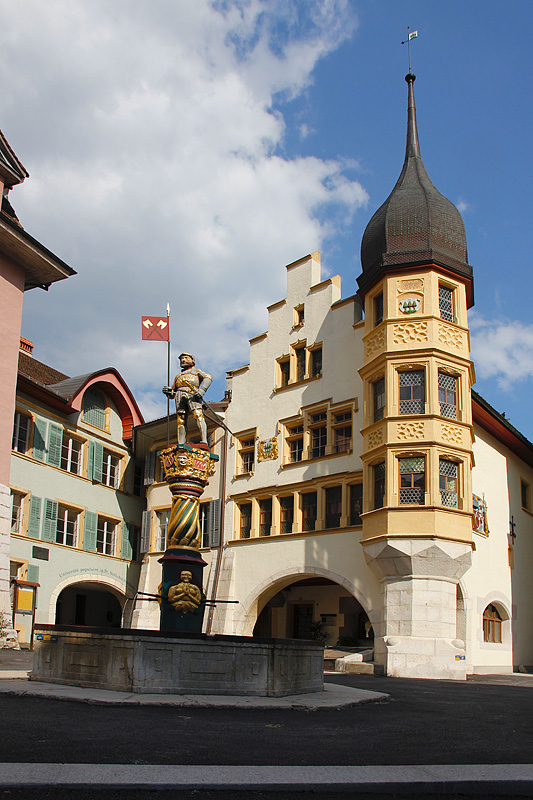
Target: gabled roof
57, 389
500, 427
10, 167
39, 372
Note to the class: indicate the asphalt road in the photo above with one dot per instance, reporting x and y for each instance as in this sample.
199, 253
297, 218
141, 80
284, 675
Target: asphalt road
426, 722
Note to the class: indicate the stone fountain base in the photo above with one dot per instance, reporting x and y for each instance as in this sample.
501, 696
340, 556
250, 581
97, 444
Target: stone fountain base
160, 662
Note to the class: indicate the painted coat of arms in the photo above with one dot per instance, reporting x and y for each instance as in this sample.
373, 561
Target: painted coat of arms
480, 515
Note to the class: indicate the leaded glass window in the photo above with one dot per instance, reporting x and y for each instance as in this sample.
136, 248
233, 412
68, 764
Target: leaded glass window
356, 503
316, 361
412, 392
246, 520
300, 363
379, 484
378, 309
309, 509
265, 516
448, 395
379, 399
412, 479
286, 513
333, 506
446, 303
448, 482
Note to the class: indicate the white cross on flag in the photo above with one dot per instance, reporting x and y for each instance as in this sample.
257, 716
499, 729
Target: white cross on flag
155, 329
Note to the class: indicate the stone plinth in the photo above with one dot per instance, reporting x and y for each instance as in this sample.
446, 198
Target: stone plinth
154, 662
417, 635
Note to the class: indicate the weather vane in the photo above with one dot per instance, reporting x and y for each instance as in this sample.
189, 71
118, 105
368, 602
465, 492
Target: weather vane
410, 35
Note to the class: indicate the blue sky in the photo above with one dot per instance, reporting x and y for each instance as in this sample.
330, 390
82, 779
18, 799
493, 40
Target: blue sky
186, 152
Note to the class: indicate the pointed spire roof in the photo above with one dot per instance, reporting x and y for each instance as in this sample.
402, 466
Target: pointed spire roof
416, 225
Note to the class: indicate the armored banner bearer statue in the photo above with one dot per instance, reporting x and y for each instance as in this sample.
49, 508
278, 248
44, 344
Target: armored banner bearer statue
187, 467
188, 389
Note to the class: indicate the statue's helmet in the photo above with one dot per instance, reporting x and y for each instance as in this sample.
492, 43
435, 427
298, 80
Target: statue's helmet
189, 355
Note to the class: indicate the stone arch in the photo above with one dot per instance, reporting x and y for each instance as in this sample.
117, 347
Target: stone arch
115, 587
247, 612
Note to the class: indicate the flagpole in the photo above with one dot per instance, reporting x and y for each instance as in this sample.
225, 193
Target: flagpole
409, 48
168, 375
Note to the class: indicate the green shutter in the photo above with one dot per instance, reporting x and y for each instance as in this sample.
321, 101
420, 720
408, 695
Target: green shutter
39, 438
34, 522
33, 573
89, 533
127, 536
98, 463
90, 460
49, 520
214, 523
55, 440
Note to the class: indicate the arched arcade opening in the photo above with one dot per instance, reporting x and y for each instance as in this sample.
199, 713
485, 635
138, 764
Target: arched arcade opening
314, 607
89, 604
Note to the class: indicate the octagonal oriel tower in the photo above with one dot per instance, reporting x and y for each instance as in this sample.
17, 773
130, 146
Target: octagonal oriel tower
416, 286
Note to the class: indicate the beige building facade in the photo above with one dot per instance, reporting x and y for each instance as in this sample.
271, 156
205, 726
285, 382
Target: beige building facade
367, 496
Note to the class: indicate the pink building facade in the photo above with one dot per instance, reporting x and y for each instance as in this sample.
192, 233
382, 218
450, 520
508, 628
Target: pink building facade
24, 264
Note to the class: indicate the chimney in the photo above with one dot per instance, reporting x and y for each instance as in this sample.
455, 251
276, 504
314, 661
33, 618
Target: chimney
26, 346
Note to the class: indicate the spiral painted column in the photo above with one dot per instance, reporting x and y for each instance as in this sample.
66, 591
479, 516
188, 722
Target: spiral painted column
187, 469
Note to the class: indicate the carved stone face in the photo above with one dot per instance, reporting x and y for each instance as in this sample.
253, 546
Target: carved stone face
182, 460
186, 576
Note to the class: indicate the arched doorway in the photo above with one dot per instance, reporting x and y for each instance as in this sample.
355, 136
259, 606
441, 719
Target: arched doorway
88, 604
314, 608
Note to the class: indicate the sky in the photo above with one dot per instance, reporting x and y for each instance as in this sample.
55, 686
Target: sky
185, 151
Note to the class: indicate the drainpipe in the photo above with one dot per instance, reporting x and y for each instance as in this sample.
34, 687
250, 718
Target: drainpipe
222, 520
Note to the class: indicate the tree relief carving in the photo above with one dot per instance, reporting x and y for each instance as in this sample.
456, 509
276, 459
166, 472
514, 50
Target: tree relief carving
406, 332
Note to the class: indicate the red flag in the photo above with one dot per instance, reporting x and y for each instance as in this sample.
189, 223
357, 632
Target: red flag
155, 329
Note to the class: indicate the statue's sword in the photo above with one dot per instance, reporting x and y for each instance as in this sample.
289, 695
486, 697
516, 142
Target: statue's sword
214, 417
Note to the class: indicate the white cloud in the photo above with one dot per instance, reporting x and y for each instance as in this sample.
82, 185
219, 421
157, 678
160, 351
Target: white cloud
153, 136
501, 349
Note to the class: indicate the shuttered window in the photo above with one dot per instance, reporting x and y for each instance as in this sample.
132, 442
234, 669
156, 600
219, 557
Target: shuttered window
49, 520
131, 535
146, 531
21, 432
55, 441
39, 439
89, 533
34, 521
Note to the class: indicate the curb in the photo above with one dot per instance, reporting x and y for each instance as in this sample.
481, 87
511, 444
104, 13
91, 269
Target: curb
333, 696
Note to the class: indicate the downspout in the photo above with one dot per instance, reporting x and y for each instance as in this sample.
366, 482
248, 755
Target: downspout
222, 520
